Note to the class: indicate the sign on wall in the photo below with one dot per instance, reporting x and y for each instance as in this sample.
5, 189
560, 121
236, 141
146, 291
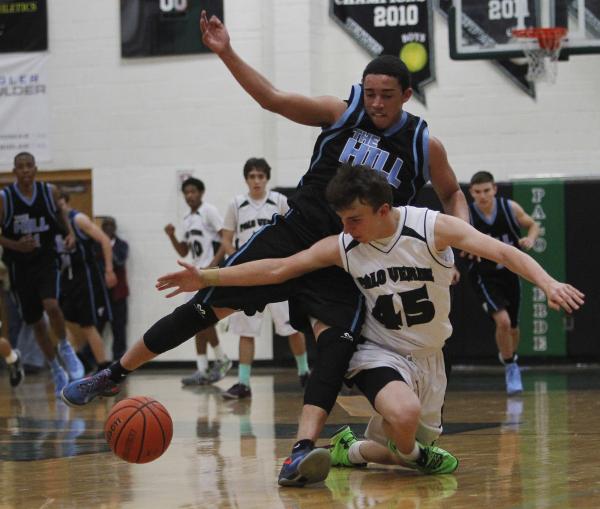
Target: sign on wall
403, 29
23, 106
164, 27
23, 26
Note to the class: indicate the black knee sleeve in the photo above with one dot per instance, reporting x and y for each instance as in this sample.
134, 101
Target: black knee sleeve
334, 351
176, 328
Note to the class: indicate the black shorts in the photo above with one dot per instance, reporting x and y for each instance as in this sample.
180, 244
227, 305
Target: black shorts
498, 291
329, 294
371, 381
33, 282
84, 296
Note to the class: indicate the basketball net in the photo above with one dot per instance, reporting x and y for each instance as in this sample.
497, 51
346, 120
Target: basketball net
542, 49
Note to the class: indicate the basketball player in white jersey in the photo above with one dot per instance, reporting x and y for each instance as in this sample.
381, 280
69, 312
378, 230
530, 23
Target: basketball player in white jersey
401, 260
202, 228
246, 214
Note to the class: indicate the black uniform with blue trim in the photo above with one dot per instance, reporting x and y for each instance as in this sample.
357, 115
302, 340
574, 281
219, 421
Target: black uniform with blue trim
497, 287
399, 152
34, 276
84, 296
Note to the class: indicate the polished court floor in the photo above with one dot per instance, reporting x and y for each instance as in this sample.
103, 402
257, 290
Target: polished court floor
536, 451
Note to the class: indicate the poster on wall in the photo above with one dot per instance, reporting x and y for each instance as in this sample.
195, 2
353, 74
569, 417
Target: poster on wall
23, 106
23, 26
164, 27
403, 29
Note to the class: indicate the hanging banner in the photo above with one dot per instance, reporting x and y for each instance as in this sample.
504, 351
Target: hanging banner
164, 27
542, 329
23, 26
396, 28
23, 106
516, 69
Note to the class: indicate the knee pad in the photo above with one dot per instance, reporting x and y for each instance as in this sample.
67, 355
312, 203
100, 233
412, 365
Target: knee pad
334, 351
174, 329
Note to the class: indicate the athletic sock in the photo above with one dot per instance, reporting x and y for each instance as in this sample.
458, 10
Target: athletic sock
219, 353
302, 363
202, 363
412, 456
117, 372
244, 374
354, 454
12, 357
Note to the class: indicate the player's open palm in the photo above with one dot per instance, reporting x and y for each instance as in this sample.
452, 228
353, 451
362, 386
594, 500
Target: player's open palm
565, 296
214, 33
186, 280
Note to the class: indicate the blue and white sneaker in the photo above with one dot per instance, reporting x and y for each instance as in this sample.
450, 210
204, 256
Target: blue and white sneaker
513, 379
70, 361
59, 377
81, 392
306, 466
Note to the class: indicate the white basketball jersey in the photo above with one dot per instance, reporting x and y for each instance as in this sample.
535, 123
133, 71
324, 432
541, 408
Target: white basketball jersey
201, 230
405, 283
245, 215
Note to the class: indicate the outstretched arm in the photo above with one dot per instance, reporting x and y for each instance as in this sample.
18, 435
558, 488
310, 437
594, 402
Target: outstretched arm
450, 231
314, 111
261, 272
525, 221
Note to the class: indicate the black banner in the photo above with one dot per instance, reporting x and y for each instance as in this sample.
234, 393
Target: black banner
516, 70
23, 26
396, 28
164, 27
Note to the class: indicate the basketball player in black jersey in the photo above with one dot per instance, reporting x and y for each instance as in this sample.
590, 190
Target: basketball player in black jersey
31, 219
499, 289
84, 287
370, 128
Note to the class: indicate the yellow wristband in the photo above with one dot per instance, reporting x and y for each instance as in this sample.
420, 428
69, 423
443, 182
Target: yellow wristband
211, 276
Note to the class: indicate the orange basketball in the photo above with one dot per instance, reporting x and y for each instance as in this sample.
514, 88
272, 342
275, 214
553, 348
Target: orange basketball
138, 429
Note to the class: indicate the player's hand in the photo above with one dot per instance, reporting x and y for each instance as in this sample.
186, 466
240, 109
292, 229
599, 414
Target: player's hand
26, 244
214, 34
187, 280
110, 278
69, 241
565, 296
455, 276
170, 230
526, 243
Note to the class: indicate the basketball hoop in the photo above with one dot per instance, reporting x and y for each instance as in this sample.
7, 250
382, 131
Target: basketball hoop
542, 48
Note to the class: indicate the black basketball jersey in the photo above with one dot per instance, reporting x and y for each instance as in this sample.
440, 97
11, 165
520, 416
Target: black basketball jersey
502, 225
37, 216
83, 253
400, 152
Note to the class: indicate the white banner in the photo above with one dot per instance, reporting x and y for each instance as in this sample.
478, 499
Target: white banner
24, 110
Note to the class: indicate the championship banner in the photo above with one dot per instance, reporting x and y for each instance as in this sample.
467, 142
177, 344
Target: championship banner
390, 27
543, 330
23, 106
164, 27
515, 70
23, 26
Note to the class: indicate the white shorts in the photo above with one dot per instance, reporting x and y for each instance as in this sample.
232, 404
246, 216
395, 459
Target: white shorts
425, 375
241, 324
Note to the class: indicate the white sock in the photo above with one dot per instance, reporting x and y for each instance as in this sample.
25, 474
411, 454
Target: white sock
354, 454
412, 456
202, 363
219, 353
12, 357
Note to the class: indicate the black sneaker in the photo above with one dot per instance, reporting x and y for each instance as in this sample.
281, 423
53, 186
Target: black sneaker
237, 391
16, 374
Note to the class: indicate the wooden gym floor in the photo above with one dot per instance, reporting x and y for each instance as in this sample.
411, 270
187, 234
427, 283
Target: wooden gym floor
537, 451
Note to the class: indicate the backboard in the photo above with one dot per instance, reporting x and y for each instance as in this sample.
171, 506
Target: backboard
482, 29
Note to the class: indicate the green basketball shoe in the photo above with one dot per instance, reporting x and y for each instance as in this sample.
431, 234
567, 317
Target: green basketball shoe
433, 460
339, 445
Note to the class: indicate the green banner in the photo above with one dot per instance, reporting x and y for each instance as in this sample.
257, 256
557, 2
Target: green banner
542, 329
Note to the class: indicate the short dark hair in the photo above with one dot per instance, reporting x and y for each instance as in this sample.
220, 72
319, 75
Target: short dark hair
62, 193
193, 181
109, 220
390, 66
257, 163
482, 177
21, 154
358, 182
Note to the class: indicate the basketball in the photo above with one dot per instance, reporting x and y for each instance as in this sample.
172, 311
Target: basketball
138, 429
414, 55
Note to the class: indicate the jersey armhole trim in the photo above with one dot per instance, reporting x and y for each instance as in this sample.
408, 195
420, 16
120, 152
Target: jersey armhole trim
431, 241
355, 95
